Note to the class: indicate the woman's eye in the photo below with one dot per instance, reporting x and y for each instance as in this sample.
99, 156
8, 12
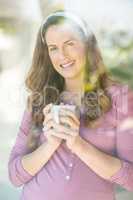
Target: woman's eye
70, 43
52, 49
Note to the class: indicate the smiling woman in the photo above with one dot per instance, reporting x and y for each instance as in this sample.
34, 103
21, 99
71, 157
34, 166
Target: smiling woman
67, 52
89, 152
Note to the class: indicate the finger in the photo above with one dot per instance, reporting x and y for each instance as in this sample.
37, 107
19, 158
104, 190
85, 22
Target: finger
61, 128
68, 131
47, 118
49, 132
65, 111
62, 103
45, 129
63, 118
47, 126
61, 135
47, 108
50, 124
69, 121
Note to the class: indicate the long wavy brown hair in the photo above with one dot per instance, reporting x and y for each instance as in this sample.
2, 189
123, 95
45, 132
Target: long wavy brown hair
45, 84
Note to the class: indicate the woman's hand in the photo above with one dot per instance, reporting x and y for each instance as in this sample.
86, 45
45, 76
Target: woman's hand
48, 126
71, 133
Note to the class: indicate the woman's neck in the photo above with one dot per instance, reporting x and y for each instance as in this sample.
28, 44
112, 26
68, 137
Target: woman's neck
74, 85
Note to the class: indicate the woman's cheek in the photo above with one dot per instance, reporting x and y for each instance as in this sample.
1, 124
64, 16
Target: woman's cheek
54, 59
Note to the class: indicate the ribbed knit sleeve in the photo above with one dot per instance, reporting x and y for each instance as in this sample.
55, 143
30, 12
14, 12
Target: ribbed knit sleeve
124, 137
17, 174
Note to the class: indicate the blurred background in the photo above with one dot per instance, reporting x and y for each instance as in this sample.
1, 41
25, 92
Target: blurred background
111, 21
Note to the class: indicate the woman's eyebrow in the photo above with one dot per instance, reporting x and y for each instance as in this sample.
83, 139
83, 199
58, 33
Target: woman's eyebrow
68, 41
64, 42
51, 45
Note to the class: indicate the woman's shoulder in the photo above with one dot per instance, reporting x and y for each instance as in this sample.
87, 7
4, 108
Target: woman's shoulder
122, 97
27, 115
121, 91
118, 89
28, 108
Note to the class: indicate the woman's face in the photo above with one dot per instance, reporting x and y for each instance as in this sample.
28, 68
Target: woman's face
66, 50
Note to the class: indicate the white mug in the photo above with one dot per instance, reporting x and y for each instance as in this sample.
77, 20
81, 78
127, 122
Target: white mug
55, 110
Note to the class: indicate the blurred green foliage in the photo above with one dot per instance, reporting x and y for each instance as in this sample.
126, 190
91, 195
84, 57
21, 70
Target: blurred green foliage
8, 27
118, 54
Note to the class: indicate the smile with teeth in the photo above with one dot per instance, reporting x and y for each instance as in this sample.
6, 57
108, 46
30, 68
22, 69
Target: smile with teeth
67, 64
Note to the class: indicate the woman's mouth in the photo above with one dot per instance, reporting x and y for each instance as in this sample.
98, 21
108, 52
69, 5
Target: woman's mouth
67, 65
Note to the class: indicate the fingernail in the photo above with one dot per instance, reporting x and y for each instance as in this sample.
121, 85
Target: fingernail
45, 128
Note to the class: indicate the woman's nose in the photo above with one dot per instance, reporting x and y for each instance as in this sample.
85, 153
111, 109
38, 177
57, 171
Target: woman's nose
63, 54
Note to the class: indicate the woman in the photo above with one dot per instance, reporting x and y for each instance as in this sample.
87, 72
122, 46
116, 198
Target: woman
87, 159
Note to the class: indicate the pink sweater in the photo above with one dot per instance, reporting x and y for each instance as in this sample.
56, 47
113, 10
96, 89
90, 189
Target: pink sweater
65, 176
